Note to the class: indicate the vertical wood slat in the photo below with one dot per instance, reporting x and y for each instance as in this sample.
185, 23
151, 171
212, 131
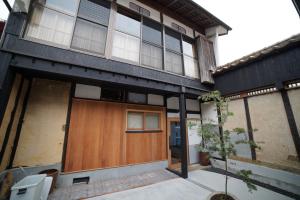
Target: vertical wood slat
206, 59
97, 137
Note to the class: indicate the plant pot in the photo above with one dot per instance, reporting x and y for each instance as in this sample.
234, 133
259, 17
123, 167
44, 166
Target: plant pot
221, 196
204, 158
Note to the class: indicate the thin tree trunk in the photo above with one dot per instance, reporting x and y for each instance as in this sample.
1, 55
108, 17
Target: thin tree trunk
226, 178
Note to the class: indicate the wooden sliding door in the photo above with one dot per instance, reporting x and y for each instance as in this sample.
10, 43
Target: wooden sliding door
98, 137
95, 135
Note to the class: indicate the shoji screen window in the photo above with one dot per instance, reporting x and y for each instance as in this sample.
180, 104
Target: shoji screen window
126, 42
152, 44
91, 26
189, 58
52, 21
173, 56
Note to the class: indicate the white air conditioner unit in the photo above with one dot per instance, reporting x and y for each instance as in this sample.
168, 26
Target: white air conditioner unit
21, 6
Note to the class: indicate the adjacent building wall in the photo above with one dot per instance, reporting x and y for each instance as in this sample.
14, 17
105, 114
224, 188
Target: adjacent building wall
238, 120
294, 96
42, 135
274, 136
13, 131
15, 102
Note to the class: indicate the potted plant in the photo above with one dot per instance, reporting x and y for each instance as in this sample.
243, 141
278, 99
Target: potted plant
217, 140
204, 133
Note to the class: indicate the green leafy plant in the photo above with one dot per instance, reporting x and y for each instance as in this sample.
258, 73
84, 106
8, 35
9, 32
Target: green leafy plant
217, 140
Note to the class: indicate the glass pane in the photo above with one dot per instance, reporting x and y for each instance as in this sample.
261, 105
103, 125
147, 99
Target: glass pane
188, 49
69, 6
191, 67
152, 56
135, 120
151, 32
51, 26
89, 36
175, 146
128, 25
152, 121
126, 47
172, 41
96, 11
173, 62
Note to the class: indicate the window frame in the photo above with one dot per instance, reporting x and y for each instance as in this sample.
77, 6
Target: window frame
144, 114
110, 35
80, 17
195, 58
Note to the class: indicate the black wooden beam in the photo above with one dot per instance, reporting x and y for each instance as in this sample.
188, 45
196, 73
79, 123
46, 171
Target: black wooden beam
64, 153
183, 135
171, 3
291, 120
7, 5
6, 82
249, 127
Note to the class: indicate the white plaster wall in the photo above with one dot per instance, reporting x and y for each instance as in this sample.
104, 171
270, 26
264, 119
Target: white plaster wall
192, 105
43, 131
154, 14
238, 120
274, 136
168, 21
87, 91
173, 103
154, 99
294, 96
209, 113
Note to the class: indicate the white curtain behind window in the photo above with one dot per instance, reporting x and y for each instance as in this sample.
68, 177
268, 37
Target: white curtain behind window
89, 36
152, 56
51, 26
173, 62
135, 120
126, 47
191, 67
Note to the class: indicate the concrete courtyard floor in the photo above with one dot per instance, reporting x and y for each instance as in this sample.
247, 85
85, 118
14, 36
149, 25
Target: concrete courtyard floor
198, 186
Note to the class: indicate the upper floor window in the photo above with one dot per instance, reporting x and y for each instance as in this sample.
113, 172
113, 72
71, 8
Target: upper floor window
83, 25
173, 55
152, 44
91, 26
52, 21
190, 59
126, 42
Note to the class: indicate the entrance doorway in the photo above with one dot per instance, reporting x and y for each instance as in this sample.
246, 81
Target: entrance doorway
175, 146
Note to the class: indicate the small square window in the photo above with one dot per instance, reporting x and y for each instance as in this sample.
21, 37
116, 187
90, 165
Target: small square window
135, 120
152, 121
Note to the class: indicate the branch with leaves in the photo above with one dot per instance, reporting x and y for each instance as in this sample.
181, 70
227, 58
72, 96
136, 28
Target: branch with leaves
215, 142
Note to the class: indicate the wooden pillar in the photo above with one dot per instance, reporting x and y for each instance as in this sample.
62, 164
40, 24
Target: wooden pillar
249, 127
182, 109
291, 120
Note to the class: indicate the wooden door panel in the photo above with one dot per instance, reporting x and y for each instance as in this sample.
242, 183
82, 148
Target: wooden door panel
97, 137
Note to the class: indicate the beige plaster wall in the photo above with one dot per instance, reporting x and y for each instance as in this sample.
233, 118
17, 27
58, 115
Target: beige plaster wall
42, 134
294, 96
239, 116
13, 130
268, 116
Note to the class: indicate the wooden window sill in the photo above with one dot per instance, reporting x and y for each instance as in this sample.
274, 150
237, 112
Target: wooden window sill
143, 131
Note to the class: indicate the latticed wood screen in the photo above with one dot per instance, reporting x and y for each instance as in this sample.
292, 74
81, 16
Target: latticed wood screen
207, 61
